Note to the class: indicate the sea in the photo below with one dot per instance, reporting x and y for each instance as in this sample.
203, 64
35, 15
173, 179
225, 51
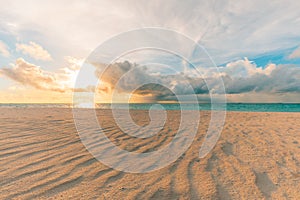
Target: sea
242, 107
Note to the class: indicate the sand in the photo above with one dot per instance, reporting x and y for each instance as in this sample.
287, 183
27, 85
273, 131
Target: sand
42, 157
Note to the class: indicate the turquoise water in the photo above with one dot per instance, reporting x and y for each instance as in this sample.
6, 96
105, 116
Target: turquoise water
229, 107
247, 107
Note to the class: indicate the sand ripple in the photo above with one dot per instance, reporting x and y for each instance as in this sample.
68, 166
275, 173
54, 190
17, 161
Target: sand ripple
41, 156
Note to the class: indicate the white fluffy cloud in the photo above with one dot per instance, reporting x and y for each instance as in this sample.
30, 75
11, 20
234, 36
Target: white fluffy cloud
34, 50
244, 76
4, 49
245, 68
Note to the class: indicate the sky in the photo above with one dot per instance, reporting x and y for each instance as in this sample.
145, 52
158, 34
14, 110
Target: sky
255, 45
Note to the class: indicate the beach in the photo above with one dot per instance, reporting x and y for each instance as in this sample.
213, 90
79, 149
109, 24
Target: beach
42, 157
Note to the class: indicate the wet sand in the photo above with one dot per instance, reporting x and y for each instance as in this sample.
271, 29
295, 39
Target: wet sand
256, 157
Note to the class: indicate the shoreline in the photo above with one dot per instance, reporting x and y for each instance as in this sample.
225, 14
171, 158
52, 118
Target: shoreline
105, 109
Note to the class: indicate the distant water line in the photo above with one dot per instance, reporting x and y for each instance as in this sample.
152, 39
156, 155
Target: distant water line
243, 107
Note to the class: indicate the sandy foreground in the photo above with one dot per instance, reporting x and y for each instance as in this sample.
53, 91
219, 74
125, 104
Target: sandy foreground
42, 157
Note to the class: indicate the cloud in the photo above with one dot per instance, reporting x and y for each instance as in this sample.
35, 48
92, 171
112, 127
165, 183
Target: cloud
229, 30
4, 49
244, 76
244, 28
245, 68
75, 63
128, 77
29, 74
295, 54
240, 77
34, 50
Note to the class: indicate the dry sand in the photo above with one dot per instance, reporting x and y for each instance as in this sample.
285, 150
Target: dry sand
41, 156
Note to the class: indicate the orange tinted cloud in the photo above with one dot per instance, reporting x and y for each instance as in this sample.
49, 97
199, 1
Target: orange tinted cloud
31, 75
34, 50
